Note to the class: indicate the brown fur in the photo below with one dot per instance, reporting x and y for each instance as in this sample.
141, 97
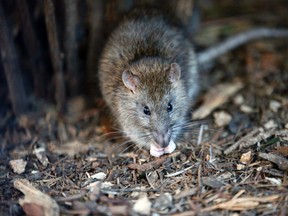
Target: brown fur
146, 44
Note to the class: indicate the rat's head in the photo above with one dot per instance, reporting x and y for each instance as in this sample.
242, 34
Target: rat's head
154, 106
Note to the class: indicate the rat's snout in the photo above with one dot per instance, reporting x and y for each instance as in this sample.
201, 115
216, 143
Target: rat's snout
162, 137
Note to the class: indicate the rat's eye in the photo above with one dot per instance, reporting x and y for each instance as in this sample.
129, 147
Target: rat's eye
169, 107
146, 111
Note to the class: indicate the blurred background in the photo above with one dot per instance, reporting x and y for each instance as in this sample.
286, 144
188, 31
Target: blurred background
50, 48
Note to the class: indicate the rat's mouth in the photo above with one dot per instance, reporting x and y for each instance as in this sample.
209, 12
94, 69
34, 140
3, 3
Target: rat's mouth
157, 151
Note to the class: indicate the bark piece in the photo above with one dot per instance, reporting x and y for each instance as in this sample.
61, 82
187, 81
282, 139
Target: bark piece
35, 202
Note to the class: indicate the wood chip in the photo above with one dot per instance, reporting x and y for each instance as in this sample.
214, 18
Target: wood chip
212, 182
280, 161
242, 204
163, 202
35, 202
217, 96
148, 166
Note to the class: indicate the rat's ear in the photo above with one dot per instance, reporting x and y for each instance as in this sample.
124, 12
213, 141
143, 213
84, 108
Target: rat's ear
174, 72
130, 80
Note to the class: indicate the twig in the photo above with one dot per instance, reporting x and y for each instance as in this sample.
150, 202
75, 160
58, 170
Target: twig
179, 172
148, 166
200, 136
243, 139
153, 164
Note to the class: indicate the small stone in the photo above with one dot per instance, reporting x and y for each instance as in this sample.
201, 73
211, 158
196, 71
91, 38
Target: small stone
239, 99
222, 118
99, 176
274, 105
18, 166
142, 206
246, 157
270, 124
274, 181
240, 166
163, 201
246, 109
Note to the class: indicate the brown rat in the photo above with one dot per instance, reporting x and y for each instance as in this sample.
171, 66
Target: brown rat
149, 79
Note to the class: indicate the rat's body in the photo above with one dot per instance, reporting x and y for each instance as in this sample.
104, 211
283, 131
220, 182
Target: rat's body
149, 79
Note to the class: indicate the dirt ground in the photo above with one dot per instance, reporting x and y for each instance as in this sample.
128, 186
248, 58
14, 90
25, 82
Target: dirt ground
233, 159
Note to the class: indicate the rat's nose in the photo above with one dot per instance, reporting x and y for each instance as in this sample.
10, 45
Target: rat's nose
162, 138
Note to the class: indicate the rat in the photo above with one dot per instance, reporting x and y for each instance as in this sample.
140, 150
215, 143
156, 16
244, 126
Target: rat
149, 78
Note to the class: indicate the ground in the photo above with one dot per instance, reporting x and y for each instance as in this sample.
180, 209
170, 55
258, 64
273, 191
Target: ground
233, 160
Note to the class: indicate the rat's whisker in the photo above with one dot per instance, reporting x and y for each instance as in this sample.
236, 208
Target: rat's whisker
129, 143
